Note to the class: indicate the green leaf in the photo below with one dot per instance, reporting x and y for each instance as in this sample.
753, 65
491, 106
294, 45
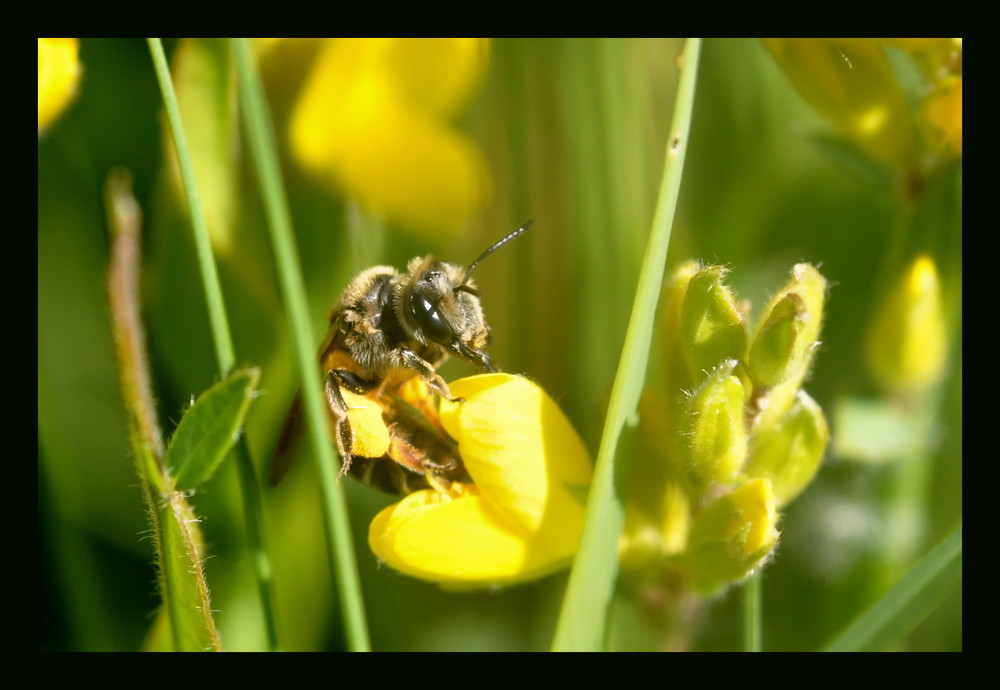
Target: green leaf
209, 429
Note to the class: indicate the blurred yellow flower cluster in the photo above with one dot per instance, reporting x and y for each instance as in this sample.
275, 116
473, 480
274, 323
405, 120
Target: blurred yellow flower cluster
59, 74
520, 516
852, 83
734, 438
374, 118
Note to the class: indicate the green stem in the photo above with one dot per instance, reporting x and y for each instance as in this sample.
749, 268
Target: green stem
752, 608
181, 578
582, 620
340, 543
222, 340
218, 321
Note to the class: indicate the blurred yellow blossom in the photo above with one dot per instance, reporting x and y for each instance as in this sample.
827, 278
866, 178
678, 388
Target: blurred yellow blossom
58, 77
523, 514
373, 118
851, 83
907, 345
942, 116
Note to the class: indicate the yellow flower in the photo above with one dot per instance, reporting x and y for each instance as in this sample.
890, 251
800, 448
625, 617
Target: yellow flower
907, 344
58, 76
941, 116
851, 83
373, 118
523, 515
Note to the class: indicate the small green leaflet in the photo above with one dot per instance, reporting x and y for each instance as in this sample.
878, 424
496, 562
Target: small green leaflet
209, 428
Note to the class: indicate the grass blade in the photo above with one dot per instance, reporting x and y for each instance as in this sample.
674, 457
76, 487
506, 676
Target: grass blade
340, 543
222, 340
582, 619
908, 602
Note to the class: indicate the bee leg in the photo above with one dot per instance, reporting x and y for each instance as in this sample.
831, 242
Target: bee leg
405, 454
352, 382
338, 409
438, 483
428, 374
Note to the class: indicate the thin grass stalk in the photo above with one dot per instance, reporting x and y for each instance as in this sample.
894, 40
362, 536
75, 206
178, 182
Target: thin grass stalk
222, 341
753, 613
340, 542
915, 596
582, 619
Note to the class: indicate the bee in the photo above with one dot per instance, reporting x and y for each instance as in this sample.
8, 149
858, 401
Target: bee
387, 329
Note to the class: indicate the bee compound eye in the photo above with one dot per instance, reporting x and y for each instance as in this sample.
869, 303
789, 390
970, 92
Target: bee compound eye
427, 316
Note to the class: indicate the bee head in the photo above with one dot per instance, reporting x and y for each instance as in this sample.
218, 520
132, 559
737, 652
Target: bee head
438, 313
442, 306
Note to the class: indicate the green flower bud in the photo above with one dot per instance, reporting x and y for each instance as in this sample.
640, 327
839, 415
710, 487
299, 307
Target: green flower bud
713, 435
788, 332
789, 452
732, 536
712, 327
671, 304
907, 345
776, 353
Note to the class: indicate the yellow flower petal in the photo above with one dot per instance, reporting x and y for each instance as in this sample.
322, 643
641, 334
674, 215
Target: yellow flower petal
523, 516
754, 504
58, 77
436, 75
371, 119
462, 541
942, 116
520, 449
414, 170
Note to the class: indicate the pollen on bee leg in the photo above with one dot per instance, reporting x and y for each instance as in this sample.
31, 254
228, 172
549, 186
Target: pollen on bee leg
345, 468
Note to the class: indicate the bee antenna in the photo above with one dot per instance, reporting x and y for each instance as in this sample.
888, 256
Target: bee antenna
496, 246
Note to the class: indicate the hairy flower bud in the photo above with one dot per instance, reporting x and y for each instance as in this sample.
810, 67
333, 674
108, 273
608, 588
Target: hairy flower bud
713, 437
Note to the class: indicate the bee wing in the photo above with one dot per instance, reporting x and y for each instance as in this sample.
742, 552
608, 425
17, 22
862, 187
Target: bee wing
288, 442
285, 451
333, 342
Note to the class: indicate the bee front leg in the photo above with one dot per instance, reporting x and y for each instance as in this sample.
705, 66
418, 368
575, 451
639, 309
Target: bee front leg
338, 409
428, 374
351, 381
